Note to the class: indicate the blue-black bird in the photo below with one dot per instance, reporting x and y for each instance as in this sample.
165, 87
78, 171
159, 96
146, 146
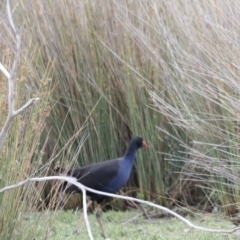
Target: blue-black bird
108, 176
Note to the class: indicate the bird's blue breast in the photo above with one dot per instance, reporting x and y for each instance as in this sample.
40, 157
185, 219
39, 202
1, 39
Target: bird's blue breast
121, 178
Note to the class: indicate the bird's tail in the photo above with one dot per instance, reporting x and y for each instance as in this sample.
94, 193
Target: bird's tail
65, 186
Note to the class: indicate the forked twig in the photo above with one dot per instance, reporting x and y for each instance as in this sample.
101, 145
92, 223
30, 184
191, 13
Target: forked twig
11, 106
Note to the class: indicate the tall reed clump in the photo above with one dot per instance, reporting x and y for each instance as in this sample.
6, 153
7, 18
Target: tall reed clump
203, 96
96, 89
21, 156
165, 70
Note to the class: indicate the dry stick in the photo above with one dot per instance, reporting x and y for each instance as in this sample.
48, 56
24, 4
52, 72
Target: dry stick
11, 111
4, 71
69, 180
73, 181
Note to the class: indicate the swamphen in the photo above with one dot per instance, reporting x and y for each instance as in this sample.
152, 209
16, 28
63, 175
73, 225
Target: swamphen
108, 176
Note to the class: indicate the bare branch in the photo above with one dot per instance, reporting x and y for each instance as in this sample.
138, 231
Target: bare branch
84, 189
68, 179
4, 130
26, 105
10, 17
15, 62
11, 109
4, 70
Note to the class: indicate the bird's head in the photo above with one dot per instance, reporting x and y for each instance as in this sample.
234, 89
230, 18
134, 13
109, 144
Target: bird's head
138, 142
135, 144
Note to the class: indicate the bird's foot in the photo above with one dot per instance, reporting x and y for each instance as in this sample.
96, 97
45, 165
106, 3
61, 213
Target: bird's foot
76, 232
104, 236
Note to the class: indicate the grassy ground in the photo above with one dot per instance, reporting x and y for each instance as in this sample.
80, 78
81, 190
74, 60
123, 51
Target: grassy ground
128, 225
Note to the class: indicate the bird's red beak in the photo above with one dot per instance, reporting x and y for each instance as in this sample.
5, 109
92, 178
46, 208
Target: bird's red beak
144, 144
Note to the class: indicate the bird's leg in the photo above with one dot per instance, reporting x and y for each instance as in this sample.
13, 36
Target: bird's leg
98, 215
80, 222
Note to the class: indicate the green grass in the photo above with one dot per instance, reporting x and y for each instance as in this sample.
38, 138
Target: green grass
129, 225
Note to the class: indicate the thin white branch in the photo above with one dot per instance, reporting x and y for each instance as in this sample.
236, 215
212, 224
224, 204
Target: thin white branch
4, 130
84, 189
15, 62
4, 70
68, 179
84, 196
26, 105
10, 18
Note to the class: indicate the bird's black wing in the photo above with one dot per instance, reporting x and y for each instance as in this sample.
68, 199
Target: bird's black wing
95, 176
